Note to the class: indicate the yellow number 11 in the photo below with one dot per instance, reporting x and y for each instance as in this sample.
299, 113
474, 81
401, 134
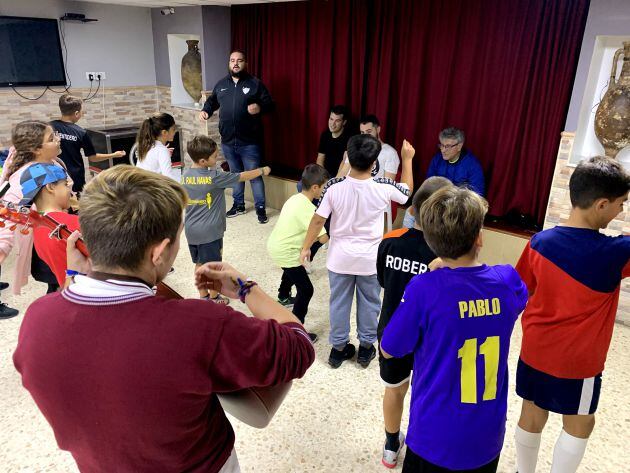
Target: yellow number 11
468, 354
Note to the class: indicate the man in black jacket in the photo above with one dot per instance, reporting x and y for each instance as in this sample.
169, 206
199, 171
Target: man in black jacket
242, 99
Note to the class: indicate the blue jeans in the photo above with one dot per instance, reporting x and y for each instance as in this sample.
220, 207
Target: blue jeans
342, 290
245, 158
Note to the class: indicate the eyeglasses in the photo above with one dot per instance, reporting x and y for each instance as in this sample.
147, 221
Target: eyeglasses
443, 146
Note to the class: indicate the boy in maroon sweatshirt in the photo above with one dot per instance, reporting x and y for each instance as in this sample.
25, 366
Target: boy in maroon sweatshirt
128, 380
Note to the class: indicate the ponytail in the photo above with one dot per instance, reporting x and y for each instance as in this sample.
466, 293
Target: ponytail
150, 130
27, 137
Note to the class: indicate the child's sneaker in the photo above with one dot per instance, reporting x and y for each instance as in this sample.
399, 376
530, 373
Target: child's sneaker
366, 355
339, 356
235, 210
288, 302
390, 457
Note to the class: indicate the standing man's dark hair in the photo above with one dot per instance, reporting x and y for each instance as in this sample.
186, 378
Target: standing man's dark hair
242, 99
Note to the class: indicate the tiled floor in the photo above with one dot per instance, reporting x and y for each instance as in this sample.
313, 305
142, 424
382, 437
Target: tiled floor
331, 420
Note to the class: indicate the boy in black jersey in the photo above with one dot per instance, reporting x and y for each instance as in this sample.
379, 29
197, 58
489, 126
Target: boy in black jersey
402, 254
74, 139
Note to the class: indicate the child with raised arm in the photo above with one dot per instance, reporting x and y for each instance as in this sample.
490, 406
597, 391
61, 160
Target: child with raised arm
573, 273
356, 204
74, 138
286, 239
457, 322
205, 221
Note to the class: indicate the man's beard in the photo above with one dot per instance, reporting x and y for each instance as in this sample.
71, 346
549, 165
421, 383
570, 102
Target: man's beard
236, 74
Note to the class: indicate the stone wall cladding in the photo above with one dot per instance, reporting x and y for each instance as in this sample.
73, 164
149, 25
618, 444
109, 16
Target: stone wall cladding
111, 107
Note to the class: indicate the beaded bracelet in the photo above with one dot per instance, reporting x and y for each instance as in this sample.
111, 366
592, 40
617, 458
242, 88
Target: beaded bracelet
245, 288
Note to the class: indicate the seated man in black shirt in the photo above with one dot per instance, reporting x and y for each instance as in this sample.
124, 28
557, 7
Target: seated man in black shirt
334, 140
74, 138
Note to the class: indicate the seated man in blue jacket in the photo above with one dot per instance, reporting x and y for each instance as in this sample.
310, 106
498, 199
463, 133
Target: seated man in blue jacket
457, 164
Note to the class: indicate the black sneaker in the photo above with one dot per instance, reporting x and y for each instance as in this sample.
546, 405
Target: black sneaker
262, 215
287, 302
235, 210
366, 355
7, 312
337, 357
313, 336
3, 285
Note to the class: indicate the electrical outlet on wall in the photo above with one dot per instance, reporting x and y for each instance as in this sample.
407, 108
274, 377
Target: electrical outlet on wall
91, 76
100, 76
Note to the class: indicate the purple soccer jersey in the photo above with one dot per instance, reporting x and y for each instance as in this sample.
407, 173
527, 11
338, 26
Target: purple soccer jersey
458, 324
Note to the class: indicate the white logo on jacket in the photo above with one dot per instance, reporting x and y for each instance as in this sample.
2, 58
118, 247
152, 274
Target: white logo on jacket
245, 90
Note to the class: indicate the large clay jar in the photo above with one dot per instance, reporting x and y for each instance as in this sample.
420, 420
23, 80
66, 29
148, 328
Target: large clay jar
612, 119
191, 70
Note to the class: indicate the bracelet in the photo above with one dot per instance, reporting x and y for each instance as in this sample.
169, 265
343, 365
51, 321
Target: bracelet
70, 273
245, 288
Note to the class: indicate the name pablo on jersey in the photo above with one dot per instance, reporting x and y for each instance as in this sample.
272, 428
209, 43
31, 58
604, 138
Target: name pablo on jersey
479, 308
405, 265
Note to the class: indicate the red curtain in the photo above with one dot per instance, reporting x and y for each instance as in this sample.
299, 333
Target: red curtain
310, 56
501, 71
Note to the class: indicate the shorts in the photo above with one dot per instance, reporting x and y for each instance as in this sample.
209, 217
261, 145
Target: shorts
414, 463
559, 395
206, 252
395, 371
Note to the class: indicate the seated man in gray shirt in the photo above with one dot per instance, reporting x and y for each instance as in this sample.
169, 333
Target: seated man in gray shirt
205, 220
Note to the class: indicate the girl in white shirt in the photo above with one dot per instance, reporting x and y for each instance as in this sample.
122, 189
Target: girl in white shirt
153, 155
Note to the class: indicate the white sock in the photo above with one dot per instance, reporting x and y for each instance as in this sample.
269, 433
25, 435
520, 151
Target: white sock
527, 445
568, 453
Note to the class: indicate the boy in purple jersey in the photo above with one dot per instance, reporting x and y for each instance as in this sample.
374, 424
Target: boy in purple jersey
457, 321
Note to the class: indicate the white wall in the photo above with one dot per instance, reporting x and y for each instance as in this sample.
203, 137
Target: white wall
605, 18
177, 49
119, 44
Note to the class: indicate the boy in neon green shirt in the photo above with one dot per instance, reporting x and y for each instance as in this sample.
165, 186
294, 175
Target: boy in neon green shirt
285, 242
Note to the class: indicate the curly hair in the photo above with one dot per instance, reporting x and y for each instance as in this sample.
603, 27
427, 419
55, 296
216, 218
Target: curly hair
27, 137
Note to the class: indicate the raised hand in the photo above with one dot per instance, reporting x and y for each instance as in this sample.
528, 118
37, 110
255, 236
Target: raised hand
408, 151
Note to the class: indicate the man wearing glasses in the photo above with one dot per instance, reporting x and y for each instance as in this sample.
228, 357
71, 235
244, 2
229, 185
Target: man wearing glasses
457, 164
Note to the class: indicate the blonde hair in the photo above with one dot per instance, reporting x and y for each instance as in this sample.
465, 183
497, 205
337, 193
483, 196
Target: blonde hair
27, 137
451, 220
124, 210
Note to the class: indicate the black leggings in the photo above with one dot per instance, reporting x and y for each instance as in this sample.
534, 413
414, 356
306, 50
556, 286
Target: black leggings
416, 464
297, 277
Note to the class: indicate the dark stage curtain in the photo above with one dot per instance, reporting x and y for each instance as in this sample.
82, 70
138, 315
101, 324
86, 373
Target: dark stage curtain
501, 71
